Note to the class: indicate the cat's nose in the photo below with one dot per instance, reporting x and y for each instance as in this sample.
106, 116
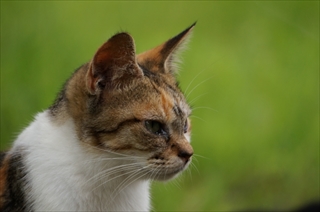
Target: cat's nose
185, 154
182, 149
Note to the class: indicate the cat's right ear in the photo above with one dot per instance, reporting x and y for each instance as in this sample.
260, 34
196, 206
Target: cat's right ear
113, 65
164, 58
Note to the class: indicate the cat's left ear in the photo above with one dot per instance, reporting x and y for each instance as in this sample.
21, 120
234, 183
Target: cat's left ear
114, 64
164, 58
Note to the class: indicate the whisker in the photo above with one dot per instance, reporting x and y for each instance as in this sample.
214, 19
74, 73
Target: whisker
118, 189
188, 170
197, 86
209, 108
111, 171
112, 152
112, 179
123, 184
176, 182
129, 177
186, 90
196, 98
193, 166
156, 171
193, 116
200, 156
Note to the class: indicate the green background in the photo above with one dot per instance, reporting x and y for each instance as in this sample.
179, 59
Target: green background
252, 68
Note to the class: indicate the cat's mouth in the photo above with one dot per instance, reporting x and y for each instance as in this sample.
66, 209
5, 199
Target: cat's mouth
167, 171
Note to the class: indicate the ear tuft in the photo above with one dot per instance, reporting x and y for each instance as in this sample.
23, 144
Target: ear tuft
165, 57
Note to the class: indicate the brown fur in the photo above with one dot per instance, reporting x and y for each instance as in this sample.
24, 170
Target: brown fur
13, 183
3, 179
111, 97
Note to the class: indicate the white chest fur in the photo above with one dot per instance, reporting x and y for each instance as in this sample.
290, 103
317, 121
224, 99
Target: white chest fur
63, 176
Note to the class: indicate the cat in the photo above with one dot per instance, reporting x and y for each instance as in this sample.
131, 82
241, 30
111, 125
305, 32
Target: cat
119, 122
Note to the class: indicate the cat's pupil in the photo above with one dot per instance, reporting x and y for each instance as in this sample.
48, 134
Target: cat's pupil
154, 127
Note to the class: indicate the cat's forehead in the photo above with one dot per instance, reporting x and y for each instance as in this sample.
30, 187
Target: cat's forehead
175, 101
166, 96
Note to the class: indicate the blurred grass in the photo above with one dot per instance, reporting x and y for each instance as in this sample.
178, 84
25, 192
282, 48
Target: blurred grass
253, 69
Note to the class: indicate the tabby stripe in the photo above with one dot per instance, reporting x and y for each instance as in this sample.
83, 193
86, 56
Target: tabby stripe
119, 126
177, 110
156, 78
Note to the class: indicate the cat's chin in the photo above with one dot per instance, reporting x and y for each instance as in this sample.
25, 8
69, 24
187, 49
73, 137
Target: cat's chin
166, 177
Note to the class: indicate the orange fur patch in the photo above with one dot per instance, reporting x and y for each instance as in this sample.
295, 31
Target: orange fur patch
152, 59
167, 105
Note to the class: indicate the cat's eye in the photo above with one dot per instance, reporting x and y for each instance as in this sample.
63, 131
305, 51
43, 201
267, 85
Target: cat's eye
155, 127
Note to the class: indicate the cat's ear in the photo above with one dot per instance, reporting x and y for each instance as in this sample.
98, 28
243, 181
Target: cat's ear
113, 65
164, 58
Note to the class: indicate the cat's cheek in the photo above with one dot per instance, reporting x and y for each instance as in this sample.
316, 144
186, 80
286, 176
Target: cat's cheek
154, 143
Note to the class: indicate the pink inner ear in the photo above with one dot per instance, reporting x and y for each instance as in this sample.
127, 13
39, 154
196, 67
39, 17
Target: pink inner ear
103, 56
91, 81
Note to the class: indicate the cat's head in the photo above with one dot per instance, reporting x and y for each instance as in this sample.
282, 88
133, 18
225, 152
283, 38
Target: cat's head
131, 105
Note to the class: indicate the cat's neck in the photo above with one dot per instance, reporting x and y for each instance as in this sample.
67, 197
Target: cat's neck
74, 175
